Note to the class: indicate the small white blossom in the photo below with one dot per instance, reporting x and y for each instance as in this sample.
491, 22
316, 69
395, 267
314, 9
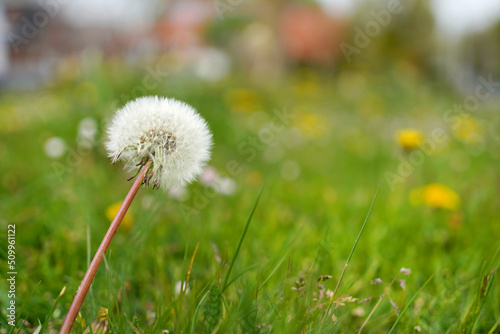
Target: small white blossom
213, 65
224, 185
181, 285
208, 176
358, 312
166, 132
87, 131
178, 193
376, 281
55, 147
405, 271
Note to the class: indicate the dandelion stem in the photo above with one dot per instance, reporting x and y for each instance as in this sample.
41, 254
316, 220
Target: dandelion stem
94, 265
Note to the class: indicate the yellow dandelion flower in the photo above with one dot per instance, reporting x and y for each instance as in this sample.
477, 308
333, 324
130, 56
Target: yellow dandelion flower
310, 124
468, 130
410, 139
111, 212
435, 195
243, 100
100, 324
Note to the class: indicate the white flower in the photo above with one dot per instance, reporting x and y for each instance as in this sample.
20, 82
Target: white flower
167, 132
87, 131
208, 176
224, 185
179, 193
405, 271
55, 147
181, 285
213, 65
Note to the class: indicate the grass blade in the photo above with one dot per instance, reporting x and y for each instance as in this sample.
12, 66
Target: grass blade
350, 256
225, 282
409, 303
477, 305
356, 242
49, 315
22, 306
197, 312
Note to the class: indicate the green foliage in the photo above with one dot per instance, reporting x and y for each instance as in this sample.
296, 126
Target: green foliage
320, 172
212, 310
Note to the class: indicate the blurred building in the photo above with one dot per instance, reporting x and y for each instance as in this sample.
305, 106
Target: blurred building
308, 35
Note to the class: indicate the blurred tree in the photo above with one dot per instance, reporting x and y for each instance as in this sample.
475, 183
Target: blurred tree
384, 32
481, 52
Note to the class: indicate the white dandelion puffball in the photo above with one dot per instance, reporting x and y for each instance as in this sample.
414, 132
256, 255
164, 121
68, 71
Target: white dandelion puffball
168, 133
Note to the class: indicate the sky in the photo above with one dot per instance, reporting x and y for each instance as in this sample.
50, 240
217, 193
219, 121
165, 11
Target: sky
454, 17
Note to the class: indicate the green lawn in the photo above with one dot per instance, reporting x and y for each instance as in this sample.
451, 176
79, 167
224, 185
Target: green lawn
319, 169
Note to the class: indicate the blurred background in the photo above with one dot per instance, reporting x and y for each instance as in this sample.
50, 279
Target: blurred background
451, 42
320, 100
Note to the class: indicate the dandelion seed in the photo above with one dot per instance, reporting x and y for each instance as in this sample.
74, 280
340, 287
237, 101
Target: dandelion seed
167, 132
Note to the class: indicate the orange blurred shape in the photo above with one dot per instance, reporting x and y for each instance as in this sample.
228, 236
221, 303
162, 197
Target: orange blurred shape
183, 24
308, 34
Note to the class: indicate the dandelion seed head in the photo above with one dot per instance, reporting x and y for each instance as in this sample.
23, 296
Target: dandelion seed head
166, 132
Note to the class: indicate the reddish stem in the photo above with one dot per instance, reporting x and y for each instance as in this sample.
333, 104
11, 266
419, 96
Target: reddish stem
94, 265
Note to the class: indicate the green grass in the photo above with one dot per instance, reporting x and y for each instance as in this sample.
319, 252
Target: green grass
342, 139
